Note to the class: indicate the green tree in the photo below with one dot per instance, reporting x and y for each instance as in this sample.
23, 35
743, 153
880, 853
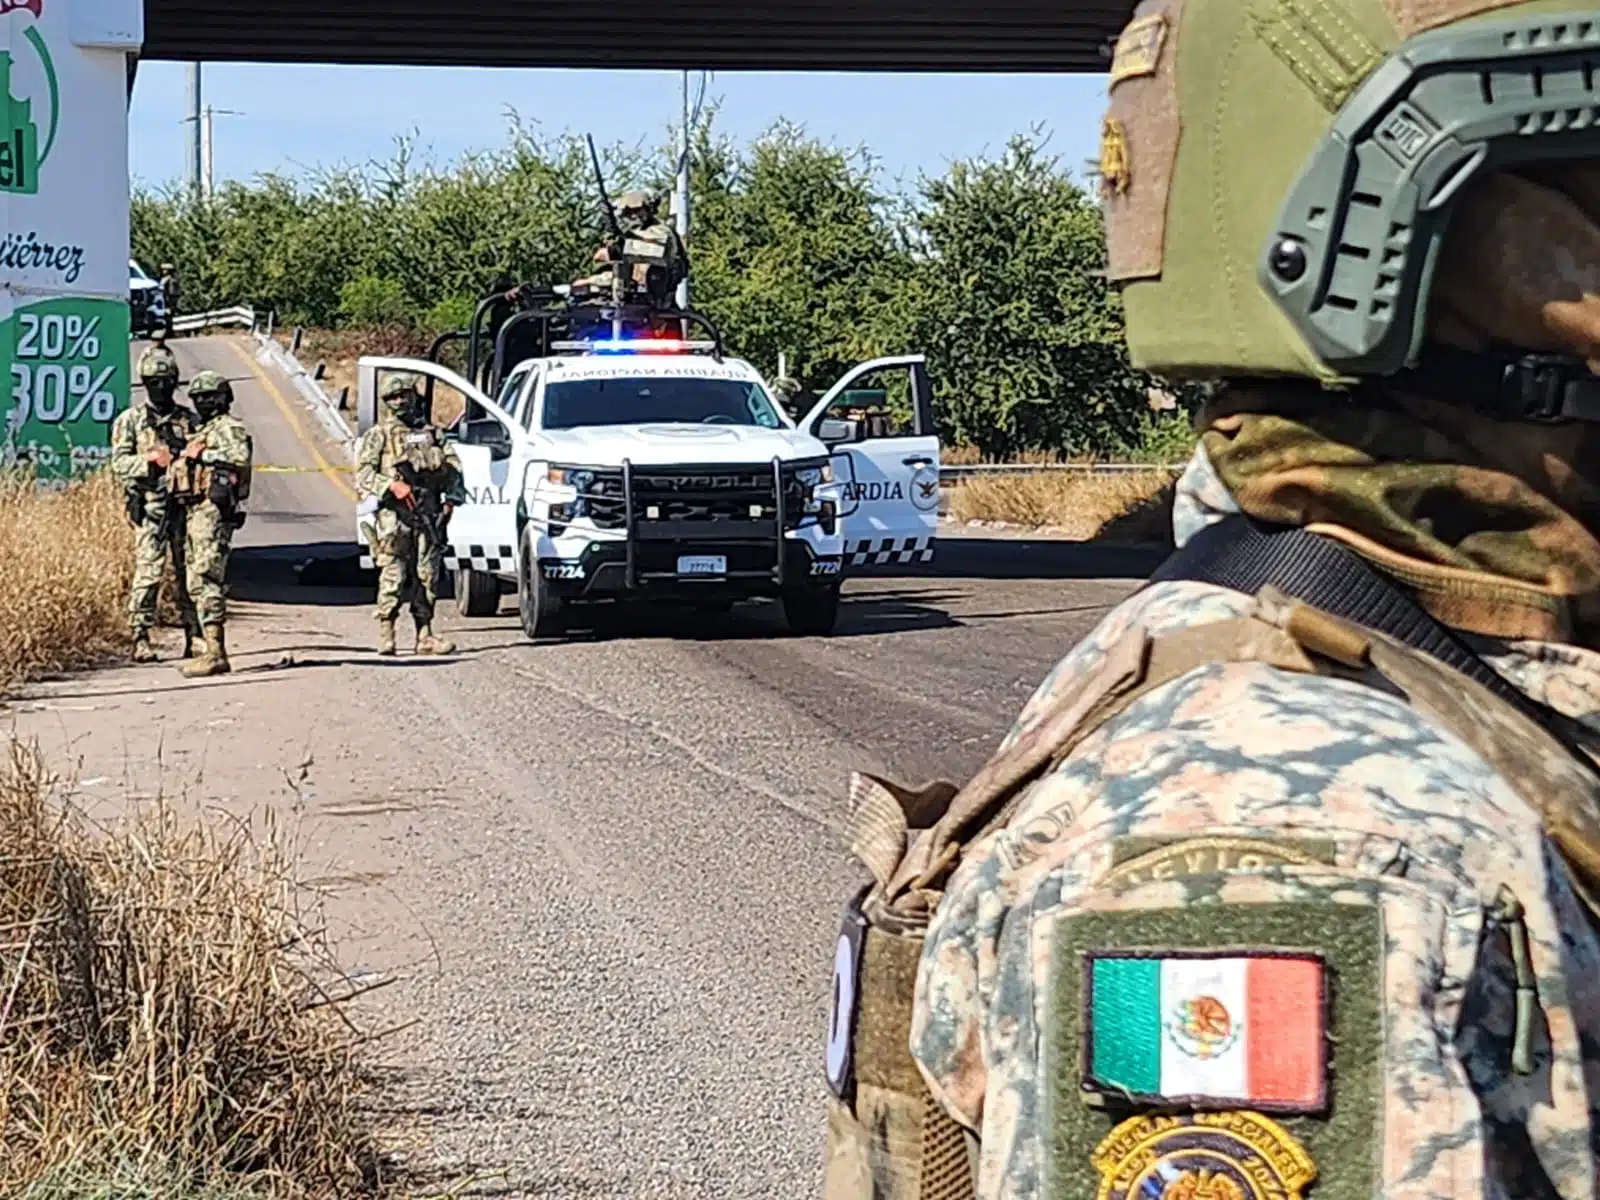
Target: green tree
993, 269
792, 251
1023, 334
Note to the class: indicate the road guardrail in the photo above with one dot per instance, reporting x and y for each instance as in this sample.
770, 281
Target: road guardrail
193, 322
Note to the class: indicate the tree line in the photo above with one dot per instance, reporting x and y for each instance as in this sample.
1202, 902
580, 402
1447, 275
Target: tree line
993, 268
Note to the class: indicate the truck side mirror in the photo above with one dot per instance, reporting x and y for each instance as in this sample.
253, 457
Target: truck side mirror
832, 430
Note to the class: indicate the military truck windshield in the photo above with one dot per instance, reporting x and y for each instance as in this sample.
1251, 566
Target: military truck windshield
655, 400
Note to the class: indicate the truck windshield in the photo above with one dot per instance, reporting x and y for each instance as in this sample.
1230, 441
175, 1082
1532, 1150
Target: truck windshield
649, 400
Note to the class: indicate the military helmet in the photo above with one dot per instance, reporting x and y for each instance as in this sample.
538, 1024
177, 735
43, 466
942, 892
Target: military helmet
399, 386
210, 383
635, 201
168, 267
1299, 237
157, 363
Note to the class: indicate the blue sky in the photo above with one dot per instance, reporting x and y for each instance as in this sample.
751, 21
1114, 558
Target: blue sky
297, 117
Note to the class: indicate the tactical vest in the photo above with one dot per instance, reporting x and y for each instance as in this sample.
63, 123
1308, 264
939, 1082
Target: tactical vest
889, 1139
172, 431
189, 481
424, 451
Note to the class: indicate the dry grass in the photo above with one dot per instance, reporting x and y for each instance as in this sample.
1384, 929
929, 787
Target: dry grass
69, 561
1122, 507
162, 1029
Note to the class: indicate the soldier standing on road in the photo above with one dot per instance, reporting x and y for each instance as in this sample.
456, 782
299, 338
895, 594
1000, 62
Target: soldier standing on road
211, 478
405, 463
1286, 877
654, 254
170, 289
144, 440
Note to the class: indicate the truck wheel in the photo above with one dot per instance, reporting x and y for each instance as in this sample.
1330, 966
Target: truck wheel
538, 609
477, 593
812, 612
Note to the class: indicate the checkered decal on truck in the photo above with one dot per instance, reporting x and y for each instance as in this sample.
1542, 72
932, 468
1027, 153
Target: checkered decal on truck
488, 559
879, 552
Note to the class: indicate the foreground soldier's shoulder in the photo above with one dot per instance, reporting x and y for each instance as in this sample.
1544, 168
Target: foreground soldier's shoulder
1153, 611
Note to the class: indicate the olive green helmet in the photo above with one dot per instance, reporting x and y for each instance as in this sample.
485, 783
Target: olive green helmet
1278, 178
635, 201
157, 364
398, 387
212, 392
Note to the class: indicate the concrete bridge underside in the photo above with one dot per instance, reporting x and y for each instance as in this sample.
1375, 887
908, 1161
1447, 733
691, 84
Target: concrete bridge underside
800, 35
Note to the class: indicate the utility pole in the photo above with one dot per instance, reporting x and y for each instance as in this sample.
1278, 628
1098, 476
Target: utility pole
680, 204
208, 149
197, 135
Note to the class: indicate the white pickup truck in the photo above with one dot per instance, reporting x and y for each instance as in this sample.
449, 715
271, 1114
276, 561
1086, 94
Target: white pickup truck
659, 469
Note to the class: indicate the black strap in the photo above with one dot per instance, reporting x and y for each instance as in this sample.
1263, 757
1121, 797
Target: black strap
1245, 555
1505, 385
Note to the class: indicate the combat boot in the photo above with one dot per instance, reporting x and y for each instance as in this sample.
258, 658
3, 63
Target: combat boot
386, 637
427, 643
214, 661
143, 651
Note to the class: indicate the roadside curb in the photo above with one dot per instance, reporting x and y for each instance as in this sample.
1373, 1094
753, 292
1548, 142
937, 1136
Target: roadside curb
325, 410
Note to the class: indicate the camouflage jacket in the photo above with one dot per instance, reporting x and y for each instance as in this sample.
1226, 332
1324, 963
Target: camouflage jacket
389, 442
227, 444
655, 245
136, 432
1243, 810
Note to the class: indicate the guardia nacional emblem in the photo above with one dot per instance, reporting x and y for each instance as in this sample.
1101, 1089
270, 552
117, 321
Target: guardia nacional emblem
1202, 1156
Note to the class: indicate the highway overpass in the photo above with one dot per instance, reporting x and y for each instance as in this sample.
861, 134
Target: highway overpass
724, 35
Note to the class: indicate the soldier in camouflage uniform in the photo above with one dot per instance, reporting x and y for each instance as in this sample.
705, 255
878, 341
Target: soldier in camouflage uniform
211, 478
407, 541
171, 288
1286, 880
144, 440
654, 254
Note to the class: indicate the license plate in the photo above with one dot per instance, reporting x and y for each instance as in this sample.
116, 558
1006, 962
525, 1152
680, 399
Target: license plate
703, 564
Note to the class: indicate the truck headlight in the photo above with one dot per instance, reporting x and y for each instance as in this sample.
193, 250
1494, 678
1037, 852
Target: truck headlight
581, 478
814, 474
596, 494
801, 483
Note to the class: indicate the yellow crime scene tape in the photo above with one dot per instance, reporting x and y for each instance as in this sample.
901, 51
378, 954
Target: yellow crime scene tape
275, 470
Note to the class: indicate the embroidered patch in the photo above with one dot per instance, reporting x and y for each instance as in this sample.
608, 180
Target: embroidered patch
1138, 50
1338, 924
1208, 1156
1115, 175
1206, 1030
1143, 860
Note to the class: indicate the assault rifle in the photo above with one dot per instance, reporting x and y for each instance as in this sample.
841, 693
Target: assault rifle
619, 241
424, 510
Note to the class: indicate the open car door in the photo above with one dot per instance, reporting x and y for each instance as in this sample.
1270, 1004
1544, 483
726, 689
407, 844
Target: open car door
878, 422
483, 530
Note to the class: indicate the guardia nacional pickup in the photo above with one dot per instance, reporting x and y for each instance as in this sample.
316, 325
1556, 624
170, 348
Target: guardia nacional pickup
658, 468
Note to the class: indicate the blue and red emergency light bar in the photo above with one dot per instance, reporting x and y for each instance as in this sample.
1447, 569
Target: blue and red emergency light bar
643, 345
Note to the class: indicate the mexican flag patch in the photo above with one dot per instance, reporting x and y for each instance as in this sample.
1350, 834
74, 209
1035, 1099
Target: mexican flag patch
1230, 1030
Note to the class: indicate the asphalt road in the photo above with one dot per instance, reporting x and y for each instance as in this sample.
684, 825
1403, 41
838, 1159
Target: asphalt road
605, 874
